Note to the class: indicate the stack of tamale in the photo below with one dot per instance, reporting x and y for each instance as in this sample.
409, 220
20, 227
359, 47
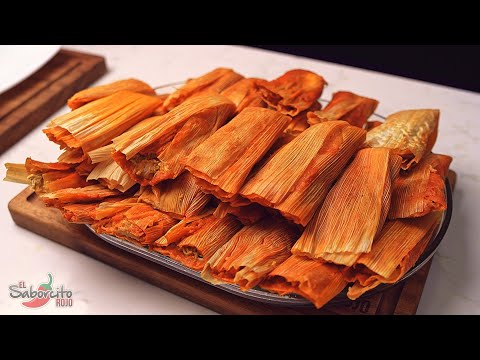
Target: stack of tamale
251, 182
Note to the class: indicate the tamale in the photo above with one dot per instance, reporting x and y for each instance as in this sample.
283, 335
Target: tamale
180, 197
95, 124
111, 175
313, 279
347, 106
80, 213
47, 177
251, 254
354, 210
397, 249
225, 159
184, 229
150, 151
297, 178
195, 250
293, 92
97, 92
410, 133
422, 189
247, 215
87, 213
211, 83
111, 206
140, 224
86, 194
245, 93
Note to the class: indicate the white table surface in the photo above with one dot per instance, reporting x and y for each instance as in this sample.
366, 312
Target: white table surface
453, 286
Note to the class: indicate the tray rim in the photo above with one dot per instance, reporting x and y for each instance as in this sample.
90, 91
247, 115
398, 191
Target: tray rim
272, 298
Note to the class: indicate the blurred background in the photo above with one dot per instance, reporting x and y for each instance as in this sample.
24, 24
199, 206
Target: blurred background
450, 65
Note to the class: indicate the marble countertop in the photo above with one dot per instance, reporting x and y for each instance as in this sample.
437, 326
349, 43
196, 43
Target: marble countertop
453, 286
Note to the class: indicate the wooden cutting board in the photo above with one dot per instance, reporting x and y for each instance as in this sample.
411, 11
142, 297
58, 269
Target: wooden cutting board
29, 103
29, 212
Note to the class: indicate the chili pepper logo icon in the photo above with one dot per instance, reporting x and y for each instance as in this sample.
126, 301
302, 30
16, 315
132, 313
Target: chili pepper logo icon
43, 294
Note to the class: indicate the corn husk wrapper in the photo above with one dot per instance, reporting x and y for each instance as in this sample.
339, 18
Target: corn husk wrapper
410, 133
197, 247
95, 124
90, 193
44, 177
422, 189
354, 211
346, 106
251, 254
396, 251
180, 197
293, 92
314, 159
139, 224
245, 93
213, 82
247, 215
313, 279
97, 92
151, 151
185, 228
224, 161
110, 174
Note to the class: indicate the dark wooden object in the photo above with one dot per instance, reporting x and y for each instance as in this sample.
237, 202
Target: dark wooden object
32, 101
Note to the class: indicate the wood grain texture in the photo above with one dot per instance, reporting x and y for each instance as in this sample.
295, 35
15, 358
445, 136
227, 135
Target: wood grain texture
29, 212
29, 103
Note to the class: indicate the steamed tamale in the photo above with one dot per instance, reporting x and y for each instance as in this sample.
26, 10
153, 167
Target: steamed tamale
45, 177
87, 213
140, 224
91, 193
245, 93
293, 92
410, 133
97, 92
354, 211
151, 150
297, 178
95, 124
180, 197
195, 248
251, 254
397, 249
247, 215
224, 161
110, 174
213, 82
80, 213
347, 106
421, 189
313, 279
